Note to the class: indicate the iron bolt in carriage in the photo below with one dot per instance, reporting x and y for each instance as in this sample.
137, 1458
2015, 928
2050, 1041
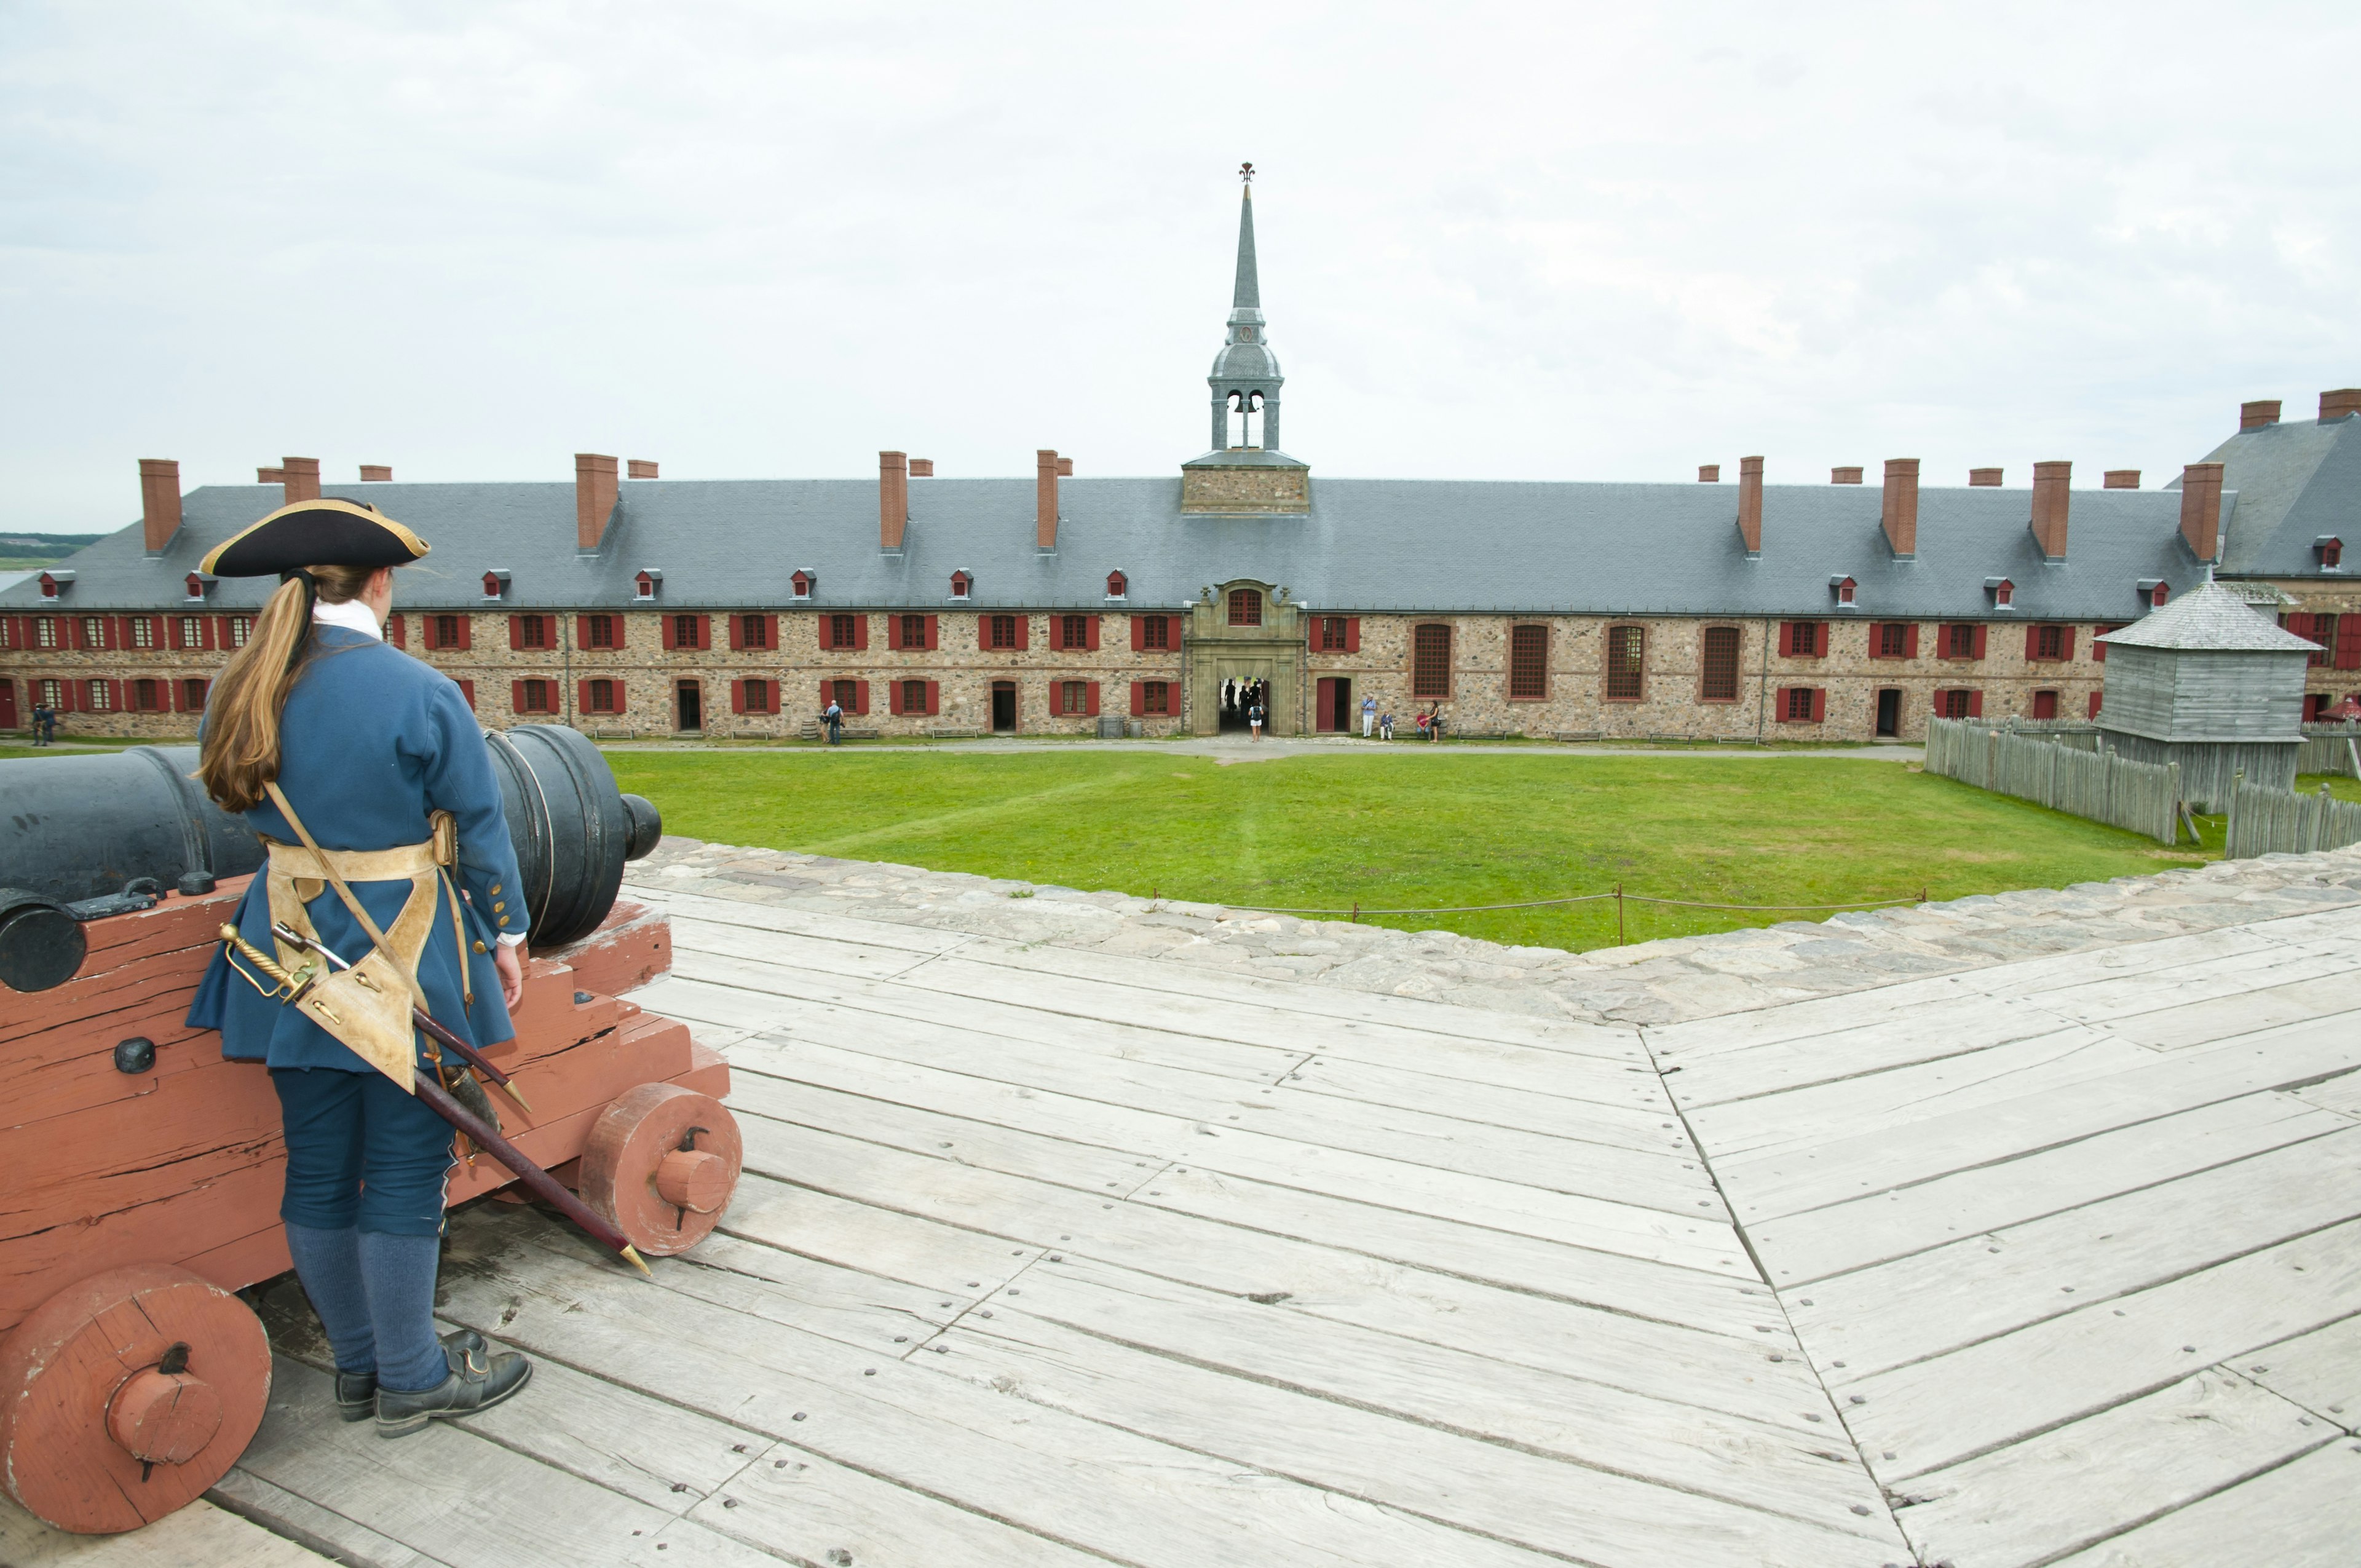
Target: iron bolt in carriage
146, 1169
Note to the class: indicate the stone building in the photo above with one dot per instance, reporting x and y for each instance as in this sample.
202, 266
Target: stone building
928, 604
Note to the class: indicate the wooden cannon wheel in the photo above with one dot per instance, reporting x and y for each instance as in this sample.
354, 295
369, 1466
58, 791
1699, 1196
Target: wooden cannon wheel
127, 1395
661, 1162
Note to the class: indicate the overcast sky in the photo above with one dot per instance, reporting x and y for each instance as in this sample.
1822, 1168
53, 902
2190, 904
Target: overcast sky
1542, 241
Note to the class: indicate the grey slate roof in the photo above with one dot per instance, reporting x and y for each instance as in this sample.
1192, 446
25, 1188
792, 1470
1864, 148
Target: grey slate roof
2214, 619
1366, 545
2296, 481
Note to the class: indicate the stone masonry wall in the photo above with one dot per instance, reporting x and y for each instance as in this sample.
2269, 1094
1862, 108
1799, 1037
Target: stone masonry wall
1479, 703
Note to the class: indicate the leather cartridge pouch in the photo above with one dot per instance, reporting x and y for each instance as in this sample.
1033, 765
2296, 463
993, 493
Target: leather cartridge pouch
367, 1007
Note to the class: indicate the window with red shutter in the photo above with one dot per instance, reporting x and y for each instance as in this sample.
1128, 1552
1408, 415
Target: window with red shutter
2045, 705
1802, 705
1073, 632
1158, 697
446, 633
2096, 698
1245, 607
1157, 632
1527, 661
913, 630
145, 697
755, 631
1001, 630
598, 632
194, 691
914, 696
1073, 698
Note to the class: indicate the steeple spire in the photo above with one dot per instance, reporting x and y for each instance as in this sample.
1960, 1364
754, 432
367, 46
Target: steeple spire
1247, 296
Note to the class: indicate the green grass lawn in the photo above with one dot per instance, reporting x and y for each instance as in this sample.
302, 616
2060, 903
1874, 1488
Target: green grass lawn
1406, 831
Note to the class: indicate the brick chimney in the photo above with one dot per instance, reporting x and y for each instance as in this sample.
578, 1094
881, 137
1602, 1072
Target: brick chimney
1709, 472
2122, 479
302, 478
2337, 404
1065, 467
1899, 515
1844, 475
1985, 477
2200, 509
922, 467
893, 499
2258, 413
1045, 499
1750, 503
640, 468
2050, 497
596, 488
159, 501
376, 474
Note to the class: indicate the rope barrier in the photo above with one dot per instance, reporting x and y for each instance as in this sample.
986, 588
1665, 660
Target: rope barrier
1356, 912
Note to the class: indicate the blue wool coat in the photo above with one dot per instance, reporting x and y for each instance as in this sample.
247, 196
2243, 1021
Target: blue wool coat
371, 742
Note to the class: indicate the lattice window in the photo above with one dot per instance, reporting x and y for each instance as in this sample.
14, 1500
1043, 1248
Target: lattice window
145, 697
1155, 696
45, 631
1720, 676
1799, 703
447, 632
683, 630
602, 630
1529, 661
1156, 633
1003, 631
1431, 661
143, 631
914, 696
1892, 638
192, 693
1245, 607
845, 694
98, 696
754, 631
1073, 697
2049, 643
1953, 703
533, 631
602, 697
1627, 662
1332, 633
914, 631
1074, 631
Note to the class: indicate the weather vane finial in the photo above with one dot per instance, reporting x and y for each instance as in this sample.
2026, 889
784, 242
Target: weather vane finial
1246, 172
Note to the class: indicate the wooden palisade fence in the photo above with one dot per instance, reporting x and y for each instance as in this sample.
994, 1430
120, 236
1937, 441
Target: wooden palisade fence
2267, 821
2141, 797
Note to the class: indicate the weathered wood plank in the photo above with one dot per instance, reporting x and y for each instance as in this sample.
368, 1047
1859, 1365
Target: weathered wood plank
317, 1529
792, 921
1799, 1470
1546, 1504
1091, 1485
2069, 1488
815, 955
2341, 1094
2319, 1370
461, 1499
1811, 1246
1935, 1413
2305, 1514
1785, 1181
1956, 1027
197, 1536
857, 1236
1998, 1280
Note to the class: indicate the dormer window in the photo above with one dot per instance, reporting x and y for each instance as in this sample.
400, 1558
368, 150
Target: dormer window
1116, 584
199, 586
496, 585
55, 584
802, 582
2154, 591
2331, 550
647, 583
1843, 589
961, 583
2003, 591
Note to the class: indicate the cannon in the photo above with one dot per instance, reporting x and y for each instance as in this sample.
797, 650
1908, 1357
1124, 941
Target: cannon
147, 1169
91, 836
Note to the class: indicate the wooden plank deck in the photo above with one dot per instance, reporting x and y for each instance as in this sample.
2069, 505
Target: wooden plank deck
1055, 1256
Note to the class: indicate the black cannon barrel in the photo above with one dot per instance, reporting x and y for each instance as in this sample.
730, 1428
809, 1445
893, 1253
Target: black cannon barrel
82, 826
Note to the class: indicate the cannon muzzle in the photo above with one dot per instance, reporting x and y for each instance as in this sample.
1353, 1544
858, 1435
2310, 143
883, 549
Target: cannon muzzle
77, 832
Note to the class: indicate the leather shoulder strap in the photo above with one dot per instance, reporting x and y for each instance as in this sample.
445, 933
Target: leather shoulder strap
336, 879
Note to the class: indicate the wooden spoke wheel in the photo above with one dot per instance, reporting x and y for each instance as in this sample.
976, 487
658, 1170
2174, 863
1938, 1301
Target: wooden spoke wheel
662, 1162
127, 1395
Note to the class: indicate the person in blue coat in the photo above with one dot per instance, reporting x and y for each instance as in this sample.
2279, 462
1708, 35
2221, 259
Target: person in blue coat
367, 745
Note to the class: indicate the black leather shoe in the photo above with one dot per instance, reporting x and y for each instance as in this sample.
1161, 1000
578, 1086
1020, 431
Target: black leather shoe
479, 1379
357, 1391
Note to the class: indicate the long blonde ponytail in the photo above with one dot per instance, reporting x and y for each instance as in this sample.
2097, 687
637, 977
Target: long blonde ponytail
241, 745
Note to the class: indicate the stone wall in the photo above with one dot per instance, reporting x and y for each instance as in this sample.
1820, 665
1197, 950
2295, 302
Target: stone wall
1576, 703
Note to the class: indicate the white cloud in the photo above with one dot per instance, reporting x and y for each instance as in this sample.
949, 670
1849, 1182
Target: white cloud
1578, 242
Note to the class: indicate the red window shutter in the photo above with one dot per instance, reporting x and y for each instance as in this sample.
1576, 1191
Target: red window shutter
860, 635
1786, 639
1975, 705
1910, 641
468, 690
516, 697
397, 630
2095, 698
467, 639
2031, 642
1779, 704
1352, 634
894, 637
827, 693
1819, 704
1138, 688
2348, 642
1024, 632
617, 688
893, 688
704, 632
1138, 644
737, 636
1093, 648
930, 640
582, 695
516, 636
737, 697
1980, 629
933, 690
2066, 646
861, 696
983, 632
670, 627
1091, 702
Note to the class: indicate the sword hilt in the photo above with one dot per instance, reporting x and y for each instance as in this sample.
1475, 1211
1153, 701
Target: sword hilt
269, 967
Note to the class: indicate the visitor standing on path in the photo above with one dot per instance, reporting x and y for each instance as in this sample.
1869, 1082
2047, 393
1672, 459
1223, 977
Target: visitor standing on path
45, 724
1432, 722
1368, 716
834, 719
1253, 720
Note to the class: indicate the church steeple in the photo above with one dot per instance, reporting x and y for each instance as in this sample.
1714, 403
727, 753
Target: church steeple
1246, 470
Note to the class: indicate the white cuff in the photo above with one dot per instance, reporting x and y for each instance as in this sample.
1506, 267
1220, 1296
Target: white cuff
507, 939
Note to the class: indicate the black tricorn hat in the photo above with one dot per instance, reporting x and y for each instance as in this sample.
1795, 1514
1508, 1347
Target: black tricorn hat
314, 533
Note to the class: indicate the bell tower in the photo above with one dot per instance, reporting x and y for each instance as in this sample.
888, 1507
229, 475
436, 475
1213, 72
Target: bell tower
1244, 470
